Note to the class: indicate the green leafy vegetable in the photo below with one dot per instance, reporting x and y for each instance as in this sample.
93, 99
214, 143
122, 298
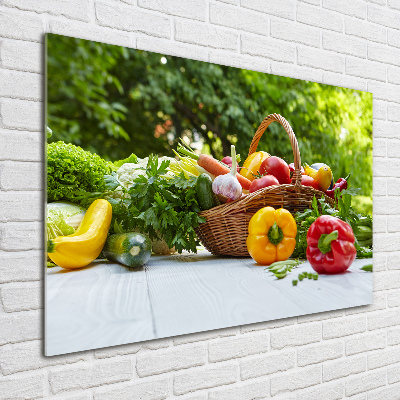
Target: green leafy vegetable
73, 172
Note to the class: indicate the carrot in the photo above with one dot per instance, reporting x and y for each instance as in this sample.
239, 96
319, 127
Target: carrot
213, 166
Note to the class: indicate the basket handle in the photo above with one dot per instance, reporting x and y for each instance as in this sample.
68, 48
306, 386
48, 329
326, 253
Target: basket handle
293, 141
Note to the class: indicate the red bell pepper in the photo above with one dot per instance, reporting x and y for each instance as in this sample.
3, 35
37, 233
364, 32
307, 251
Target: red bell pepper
330, 245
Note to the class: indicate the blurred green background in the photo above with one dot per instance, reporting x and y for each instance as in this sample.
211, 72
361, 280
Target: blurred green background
115, 101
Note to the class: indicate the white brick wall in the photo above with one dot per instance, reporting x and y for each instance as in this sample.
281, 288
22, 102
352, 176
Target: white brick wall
349, 353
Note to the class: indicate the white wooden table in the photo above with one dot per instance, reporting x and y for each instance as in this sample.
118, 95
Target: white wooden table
107, 304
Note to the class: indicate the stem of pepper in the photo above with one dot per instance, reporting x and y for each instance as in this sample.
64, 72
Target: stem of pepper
275, 234
325, 240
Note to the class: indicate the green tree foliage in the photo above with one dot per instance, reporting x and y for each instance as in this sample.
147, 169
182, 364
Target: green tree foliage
115, 101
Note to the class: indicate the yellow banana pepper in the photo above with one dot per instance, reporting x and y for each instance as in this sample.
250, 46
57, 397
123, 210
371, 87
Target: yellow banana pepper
272, 235
323, 176
85, 244
252, 164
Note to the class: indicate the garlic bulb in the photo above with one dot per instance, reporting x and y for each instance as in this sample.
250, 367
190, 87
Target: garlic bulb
227, 185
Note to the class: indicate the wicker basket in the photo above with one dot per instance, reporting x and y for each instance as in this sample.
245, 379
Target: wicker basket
225, 231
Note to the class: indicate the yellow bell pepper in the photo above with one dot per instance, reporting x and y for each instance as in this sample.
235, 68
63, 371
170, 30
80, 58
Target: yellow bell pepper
323, 176
85, 244
272, 235
252, 164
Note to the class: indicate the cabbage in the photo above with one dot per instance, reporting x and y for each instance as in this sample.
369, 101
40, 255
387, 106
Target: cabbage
63, 218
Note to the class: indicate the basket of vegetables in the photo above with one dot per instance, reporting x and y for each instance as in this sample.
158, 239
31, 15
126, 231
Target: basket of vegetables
226, 227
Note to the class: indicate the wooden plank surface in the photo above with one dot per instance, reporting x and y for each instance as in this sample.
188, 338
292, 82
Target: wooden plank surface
107, 304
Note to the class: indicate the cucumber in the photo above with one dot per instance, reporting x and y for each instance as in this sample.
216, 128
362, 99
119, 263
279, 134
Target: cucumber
131, 249
206, 197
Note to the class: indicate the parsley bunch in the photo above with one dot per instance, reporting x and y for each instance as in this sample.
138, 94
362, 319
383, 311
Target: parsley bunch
162, 207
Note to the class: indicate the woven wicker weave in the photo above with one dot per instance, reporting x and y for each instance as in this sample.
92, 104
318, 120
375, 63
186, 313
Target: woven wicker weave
225, 231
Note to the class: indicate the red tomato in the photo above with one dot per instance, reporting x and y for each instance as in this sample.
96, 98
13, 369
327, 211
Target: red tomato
291, 168
260, 183
277, 167
308, 181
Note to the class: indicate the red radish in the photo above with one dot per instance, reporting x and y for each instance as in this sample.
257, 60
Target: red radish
265, 181
228, 161
277, 167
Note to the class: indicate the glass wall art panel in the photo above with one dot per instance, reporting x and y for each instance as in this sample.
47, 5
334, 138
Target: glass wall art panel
185, 196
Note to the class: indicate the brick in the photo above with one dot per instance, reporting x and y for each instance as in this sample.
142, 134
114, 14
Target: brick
164, 46
382, 358
393, 298
19, 327
387, 280
17, 25
29, 356
365, 342
365, 69
319, 17
330, 391
128, 18
320, 316
344, 44
174, 359
26, 146
384, 91
21, 266
25, 176
20, 206
365, 30
75, 9
393, 336
269, 48
295, 380
204, 378
393, 374
378, 299
365, 382
343, 327
22, 56
114, 351
267, 325
234, 2
296, 335
239, 60
393, 257
200, 336
381, 2
386, 129
343, 367
267, 364
346, 81
393, 111
386, 393
383, 54
26, 386
393, 38
246, 391
20, 236
22, 296
284, 9
384, 16
239, 18
89, 32
379, 188
21, 114
236, 347
81, 396
90, 375
296, 71
382, 163
379, 111
316, 58
154, 389
383, 319
394, 4
319, 353
205, 35
192, 9
294, 32
355, 8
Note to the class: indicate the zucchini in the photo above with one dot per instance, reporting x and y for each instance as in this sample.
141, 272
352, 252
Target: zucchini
205, 196
131, 249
